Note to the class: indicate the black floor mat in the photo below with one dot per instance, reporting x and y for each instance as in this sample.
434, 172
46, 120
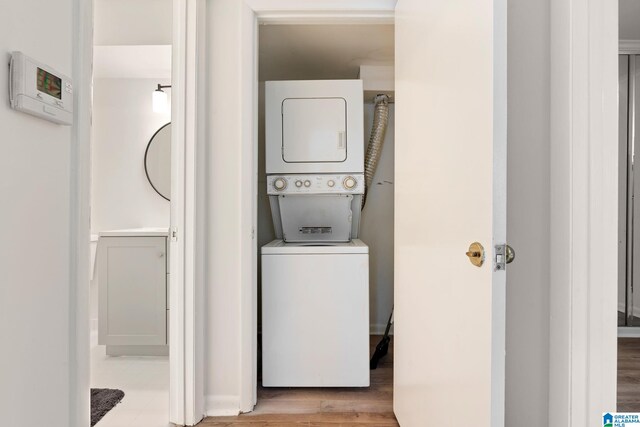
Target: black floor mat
102, 401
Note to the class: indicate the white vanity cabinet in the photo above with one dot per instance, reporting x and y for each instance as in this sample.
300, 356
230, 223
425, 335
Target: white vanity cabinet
133, 280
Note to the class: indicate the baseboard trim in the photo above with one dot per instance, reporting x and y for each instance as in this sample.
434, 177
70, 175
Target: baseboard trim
374, 329
137, 350
222, 406
628, 332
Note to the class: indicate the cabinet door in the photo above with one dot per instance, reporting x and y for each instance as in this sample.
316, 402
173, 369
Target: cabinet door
133, 299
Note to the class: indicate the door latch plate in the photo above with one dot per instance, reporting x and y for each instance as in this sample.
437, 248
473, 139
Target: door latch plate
499, 262
504, 254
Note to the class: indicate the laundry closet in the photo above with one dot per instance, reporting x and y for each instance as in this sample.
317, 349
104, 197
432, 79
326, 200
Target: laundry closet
325, 237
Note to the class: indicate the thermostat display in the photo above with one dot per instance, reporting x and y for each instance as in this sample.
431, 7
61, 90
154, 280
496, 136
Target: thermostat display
39, 90
49, 84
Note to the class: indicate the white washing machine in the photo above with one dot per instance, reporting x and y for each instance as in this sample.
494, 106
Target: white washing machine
315, 315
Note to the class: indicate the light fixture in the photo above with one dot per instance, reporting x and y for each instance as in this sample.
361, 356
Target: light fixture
160, 99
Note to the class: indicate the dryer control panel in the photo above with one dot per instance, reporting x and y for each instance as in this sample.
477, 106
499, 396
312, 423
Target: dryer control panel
315, 184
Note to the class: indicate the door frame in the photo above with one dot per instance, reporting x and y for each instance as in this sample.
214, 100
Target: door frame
186, 241
280, 12
80, 221
186, 278
584, 211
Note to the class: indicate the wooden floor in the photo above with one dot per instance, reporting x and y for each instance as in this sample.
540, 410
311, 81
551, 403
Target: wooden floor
628, 374
299, 407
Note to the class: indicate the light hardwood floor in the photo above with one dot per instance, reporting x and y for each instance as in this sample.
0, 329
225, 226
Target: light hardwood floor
299, 407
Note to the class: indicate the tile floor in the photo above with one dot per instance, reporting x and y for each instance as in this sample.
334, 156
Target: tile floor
145, 382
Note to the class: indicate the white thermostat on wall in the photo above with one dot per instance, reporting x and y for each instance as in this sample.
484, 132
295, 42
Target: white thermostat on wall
37, 89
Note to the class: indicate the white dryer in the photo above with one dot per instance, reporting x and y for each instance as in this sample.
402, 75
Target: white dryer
315, 158
314, 126
315, 315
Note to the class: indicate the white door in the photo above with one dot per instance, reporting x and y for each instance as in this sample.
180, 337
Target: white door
450, 190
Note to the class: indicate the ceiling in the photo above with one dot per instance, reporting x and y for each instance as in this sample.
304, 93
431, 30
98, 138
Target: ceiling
297, 52
132, 22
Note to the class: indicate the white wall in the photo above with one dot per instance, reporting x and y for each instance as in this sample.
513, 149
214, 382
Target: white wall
132, 22
35, 214
527, 361
266, 232
123, 123
376, 227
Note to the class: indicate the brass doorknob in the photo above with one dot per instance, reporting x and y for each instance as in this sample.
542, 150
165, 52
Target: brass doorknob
476, 254
510, 254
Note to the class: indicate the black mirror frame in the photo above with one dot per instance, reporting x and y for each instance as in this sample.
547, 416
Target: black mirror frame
146, 172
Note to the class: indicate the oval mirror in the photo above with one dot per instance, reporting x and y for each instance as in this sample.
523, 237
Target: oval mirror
157, 161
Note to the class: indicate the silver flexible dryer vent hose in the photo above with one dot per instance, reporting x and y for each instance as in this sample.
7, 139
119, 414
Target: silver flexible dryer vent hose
374, 149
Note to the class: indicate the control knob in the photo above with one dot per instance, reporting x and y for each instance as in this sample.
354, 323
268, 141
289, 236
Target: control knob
307, 183
349, 182
279, 184
298, 183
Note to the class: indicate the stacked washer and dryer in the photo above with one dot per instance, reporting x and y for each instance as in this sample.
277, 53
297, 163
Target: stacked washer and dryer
315, 275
